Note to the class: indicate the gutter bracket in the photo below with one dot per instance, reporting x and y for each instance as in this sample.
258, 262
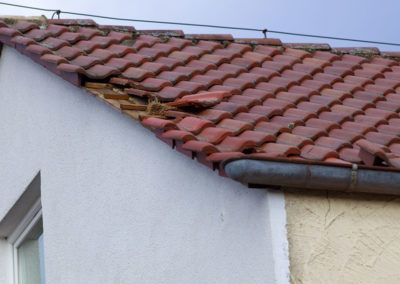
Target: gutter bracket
353, 177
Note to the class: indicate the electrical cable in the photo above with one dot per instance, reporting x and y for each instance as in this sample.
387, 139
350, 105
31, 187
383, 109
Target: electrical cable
264, 31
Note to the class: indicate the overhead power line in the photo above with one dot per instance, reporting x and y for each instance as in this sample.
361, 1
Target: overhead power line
264, 31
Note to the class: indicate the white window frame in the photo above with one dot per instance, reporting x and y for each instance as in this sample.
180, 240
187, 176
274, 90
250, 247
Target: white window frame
18, 235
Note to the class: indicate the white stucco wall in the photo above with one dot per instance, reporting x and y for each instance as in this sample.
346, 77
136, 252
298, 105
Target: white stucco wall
119, 205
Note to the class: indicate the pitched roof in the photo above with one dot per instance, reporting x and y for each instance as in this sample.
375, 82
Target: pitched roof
215, 97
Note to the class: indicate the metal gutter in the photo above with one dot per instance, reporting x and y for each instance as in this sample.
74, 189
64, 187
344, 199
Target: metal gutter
320, 176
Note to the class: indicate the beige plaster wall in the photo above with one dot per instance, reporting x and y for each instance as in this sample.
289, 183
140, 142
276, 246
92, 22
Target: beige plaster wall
341, 238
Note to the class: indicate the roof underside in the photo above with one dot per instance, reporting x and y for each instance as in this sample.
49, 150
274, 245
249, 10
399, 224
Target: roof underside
214, 97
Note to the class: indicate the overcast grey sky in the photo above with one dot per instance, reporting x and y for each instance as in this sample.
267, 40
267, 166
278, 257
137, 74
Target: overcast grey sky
367, 19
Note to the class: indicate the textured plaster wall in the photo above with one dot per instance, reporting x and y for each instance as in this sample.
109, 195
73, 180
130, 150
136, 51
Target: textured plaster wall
342, 238
119, 206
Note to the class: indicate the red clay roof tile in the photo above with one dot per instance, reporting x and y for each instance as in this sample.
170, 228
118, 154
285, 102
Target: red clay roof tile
252, 118
229, 54
370, 153
54, 43
266, 111
219, 157
236, 126
309, 132
136, 74
173, 77
346, 135
193, 124
22, 40
238, 48
328, 78
201, 100
153, 84
119, 63
37, 49
232, 97
395, 148
70, 37
381, 138
55, 59
276, 66
171, 93
283, 149
105, 41
247, 63
389, 129
322, 124
317, 153
332, 143
191, 87
214, 115
357, 127
85, 61
370, 74
257, 137
350, 155
293, 140
154, 67
236, 144
68, 52
158, 123
99, 71
178, 135
200, 146
233, 108
24, 26
214, 135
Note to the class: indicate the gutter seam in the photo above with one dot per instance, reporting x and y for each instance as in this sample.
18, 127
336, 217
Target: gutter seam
353, 177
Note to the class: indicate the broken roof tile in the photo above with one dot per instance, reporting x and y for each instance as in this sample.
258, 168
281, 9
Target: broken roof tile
370, 153
202, 100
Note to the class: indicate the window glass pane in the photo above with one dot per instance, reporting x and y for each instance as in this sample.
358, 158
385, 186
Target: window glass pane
29, 257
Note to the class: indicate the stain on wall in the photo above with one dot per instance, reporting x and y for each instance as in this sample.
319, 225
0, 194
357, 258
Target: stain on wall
343, 238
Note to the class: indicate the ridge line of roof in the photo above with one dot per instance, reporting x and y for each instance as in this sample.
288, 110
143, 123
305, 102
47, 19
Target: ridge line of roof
366, 52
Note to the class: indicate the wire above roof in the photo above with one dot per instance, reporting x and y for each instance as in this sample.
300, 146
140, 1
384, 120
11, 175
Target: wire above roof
264, 31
